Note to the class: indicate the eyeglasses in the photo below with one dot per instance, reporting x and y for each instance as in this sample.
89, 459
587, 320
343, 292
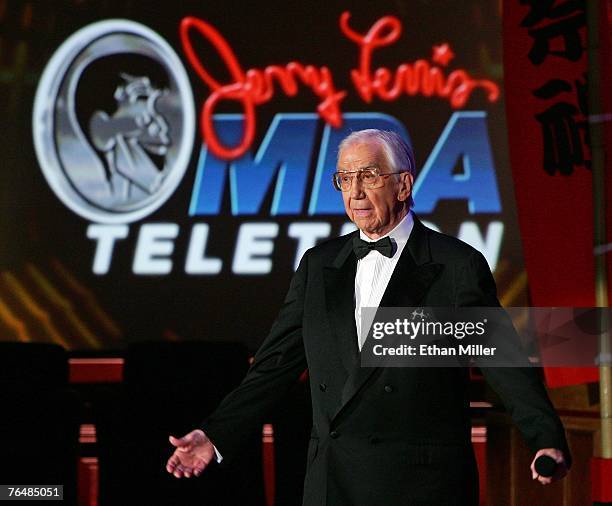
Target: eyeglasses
370, 178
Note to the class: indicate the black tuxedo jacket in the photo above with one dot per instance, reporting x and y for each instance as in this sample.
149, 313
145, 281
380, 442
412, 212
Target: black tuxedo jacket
381, 436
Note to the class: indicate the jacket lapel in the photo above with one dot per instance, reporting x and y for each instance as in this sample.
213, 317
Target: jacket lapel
339, 278
409, 283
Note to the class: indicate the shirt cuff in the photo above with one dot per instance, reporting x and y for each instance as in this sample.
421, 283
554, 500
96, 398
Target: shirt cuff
219, 457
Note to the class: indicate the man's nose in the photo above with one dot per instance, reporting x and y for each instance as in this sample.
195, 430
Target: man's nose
356, 191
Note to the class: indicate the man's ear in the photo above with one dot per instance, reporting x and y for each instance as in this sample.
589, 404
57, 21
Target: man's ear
406, 183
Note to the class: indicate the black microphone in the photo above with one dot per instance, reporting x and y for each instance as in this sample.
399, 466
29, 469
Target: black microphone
545, 466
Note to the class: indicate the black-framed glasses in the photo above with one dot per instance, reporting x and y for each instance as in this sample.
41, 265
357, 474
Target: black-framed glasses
370, 178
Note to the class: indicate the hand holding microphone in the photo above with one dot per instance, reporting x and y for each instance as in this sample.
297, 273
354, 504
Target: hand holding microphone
548, 466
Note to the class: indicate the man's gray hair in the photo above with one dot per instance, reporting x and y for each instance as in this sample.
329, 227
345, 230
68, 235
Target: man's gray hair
398, 152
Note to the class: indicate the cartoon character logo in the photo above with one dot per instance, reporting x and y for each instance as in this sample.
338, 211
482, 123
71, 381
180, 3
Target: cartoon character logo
129, 138
113, 145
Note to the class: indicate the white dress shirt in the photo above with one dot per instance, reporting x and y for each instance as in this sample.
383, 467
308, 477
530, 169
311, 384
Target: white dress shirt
374, 272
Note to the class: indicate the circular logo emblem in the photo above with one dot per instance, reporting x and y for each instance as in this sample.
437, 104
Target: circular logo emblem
114, 121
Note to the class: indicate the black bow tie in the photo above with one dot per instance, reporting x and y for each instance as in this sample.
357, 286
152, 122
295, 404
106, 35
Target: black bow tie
384, 246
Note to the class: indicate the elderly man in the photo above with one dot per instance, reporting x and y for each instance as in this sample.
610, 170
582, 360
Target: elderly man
380, 436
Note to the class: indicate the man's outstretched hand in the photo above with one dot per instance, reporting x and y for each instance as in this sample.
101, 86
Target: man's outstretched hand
193, 453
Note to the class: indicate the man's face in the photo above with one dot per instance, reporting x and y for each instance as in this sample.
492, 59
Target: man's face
376, 211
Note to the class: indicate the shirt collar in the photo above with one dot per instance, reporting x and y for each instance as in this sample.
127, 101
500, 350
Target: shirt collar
399, 234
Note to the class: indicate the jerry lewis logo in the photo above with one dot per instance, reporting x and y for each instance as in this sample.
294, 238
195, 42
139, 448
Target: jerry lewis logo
114, 126
114, 121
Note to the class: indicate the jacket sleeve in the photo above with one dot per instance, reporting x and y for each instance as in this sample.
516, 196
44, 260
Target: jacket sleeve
520, 388
276, 367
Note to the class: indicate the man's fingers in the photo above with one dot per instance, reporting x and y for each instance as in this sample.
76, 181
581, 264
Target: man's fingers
186, 449
534, 473
544, 480
170, 466
173, 461
560, 469
180, 441
199, 468
183, 444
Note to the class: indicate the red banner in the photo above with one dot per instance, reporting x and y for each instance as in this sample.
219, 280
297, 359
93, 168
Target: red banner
545, 61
